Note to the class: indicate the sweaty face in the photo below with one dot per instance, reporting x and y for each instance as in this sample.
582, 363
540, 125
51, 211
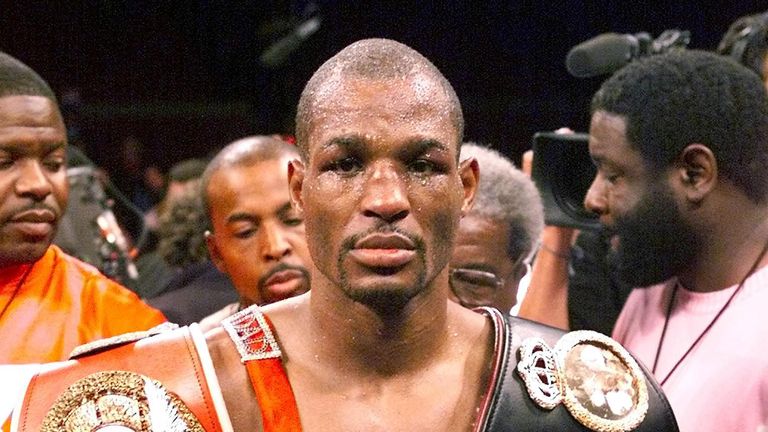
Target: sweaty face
382, 192
638, 205
33, 180
482, 272
258, 238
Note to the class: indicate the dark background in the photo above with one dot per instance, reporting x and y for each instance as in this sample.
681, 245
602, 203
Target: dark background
184, 77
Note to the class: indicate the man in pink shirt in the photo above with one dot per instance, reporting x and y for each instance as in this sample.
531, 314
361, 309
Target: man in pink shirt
680, 141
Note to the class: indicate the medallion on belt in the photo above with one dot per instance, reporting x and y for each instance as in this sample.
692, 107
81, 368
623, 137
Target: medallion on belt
119, 401
596, 379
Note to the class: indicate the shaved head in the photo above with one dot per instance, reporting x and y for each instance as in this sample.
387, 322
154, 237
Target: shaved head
246, 152
379, 60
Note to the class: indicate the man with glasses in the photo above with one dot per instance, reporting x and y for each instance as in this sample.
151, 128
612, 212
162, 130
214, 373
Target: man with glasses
497, 236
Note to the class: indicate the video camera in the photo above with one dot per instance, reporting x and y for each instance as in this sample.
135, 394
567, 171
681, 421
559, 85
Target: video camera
562, 168
563, 171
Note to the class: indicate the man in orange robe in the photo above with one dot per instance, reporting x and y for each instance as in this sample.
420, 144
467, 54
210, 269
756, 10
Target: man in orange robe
63, 303
49, 302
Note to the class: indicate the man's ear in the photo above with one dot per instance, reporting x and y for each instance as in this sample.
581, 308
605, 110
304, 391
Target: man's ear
469, 172
213, 251
697, 171
295, 184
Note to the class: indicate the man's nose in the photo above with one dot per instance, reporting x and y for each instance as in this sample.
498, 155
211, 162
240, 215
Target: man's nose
594, 200
274, 244
32, 181
385, 194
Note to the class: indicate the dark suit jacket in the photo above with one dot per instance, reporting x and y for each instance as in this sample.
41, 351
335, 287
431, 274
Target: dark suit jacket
196, 292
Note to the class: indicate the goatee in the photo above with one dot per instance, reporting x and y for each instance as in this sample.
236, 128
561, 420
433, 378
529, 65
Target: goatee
655, 243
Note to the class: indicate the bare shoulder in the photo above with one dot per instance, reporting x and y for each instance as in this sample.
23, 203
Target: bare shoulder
286, 317
234, 381
474, 345
475, 328
232, 374
219, 341
285, 312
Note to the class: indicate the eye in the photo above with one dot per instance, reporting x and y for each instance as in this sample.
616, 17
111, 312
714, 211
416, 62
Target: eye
6, 163
54, 164
244, 230
347, 165
610, 176
246, 233
423, 166
292, 222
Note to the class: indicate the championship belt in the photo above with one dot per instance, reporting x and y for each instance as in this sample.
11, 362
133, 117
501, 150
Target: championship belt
138, 382
580, 381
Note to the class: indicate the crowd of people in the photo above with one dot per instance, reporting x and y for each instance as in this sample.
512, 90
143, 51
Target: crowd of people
415, 245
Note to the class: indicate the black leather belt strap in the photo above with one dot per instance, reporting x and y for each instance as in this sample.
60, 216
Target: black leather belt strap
513, 410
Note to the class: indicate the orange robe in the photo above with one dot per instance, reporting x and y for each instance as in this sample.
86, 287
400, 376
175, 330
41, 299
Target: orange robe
63, 303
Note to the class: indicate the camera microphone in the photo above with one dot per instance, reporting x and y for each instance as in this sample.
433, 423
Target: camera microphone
603, 54
609, 52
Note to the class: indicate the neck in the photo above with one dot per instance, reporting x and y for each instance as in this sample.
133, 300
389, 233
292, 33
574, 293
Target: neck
370, 341
729, 253
13, 272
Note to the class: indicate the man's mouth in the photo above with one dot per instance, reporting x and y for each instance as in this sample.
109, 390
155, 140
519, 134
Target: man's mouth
34, 216
283, 276
383, 250
34, 222
284, 282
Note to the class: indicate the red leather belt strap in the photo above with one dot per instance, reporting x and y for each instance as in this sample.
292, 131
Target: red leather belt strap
253, 335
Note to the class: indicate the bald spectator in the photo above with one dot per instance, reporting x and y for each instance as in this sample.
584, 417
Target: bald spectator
256, 237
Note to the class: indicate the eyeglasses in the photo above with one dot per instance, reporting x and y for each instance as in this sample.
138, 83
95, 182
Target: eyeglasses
474, 288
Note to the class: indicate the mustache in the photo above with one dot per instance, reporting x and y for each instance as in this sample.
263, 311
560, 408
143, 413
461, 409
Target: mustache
349, 243
34, 206
282, 267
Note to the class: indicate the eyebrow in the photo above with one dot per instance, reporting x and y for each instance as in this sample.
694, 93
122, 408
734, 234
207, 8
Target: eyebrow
286, 208
241, 217
420, 146
16, 149
349, 143
355, 143
247, 217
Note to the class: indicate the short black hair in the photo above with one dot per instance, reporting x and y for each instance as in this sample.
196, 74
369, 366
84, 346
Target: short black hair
671, 100
18, 79
746, 41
